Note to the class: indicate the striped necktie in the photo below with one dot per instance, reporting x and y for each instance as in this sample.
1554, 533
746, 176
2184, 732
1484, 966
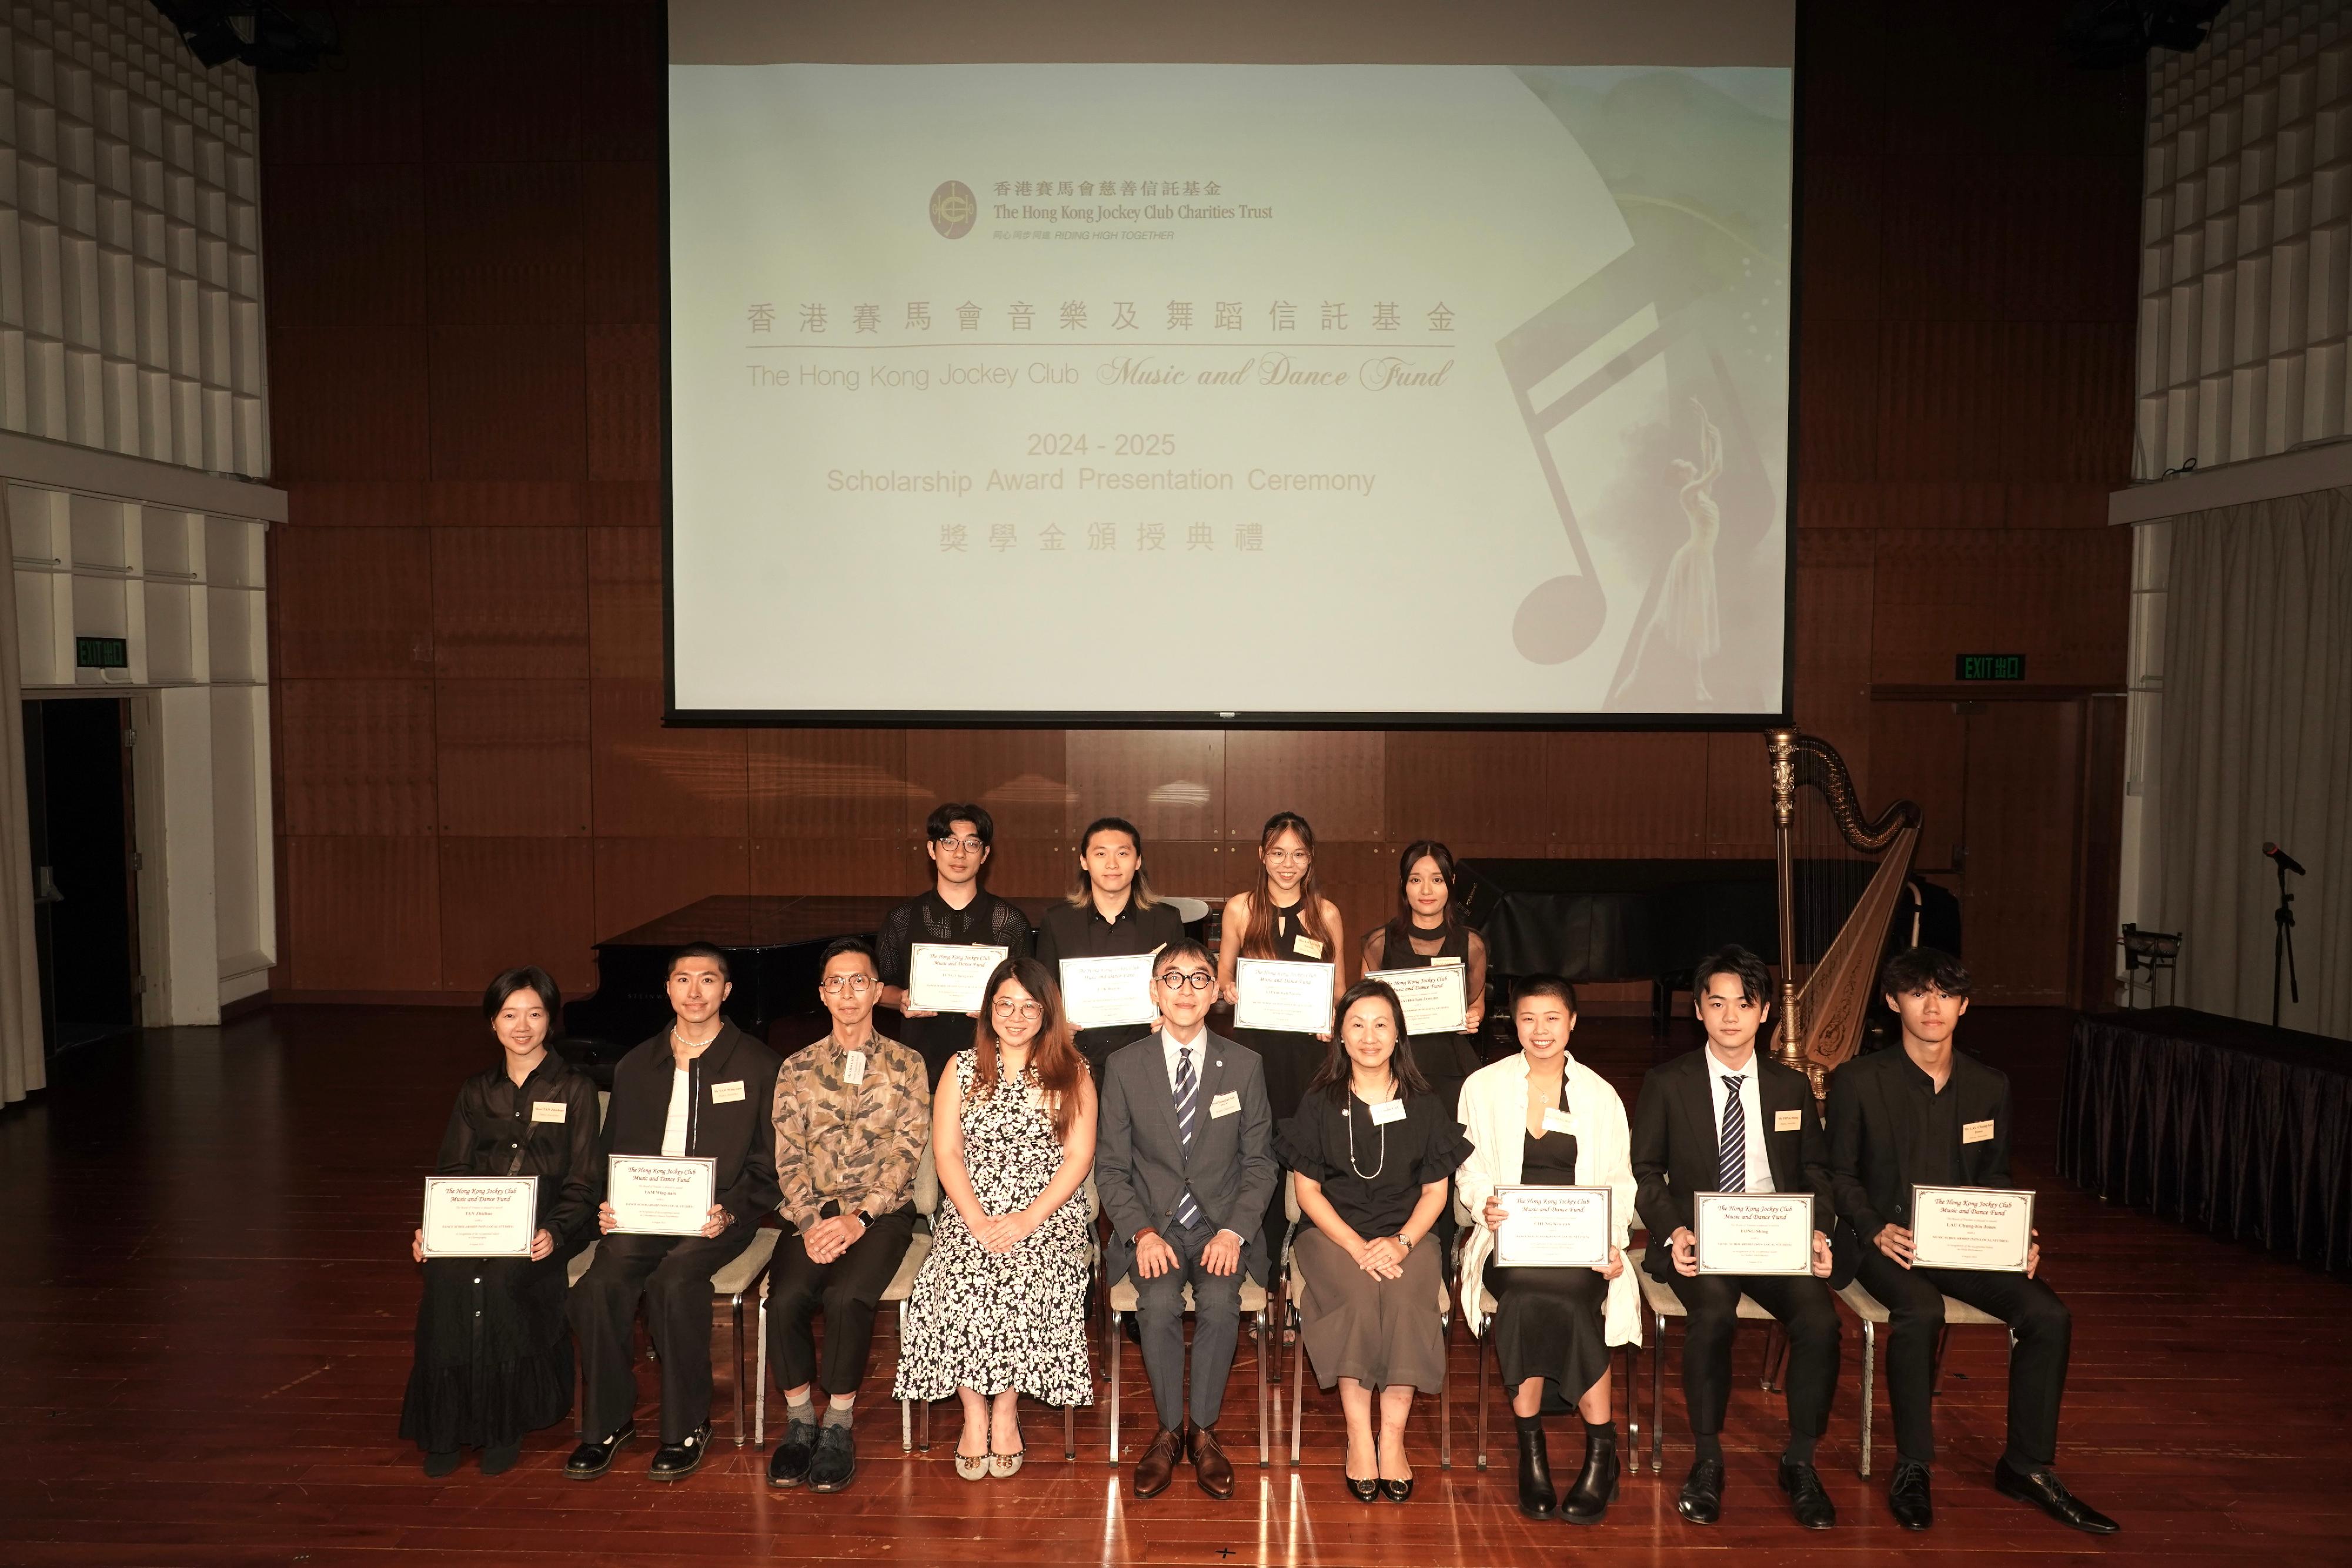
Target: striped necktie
1188, 1102
1733, 1172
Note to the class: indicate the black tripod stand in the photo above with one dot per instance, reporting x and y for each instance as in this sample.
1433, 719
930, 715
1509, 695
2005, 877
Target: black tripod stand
2283, 950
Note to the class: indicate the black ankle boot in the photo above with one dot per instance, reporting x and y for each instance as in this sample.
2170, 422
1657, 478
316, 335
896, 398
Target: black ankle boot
1536, 1500
1588, 1500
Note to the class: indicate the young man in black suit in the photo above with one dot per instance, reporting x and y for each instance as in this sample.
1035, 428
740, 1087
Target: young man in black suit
700, 1088
1723, 1119
1926, 1114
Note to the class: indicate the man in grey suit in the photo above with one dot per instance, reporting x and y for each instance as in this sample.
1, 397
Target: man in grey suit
1184, 1161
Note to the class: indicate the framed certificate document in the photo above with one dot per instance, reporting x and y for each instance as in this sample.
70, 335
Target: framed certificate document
1985, 1227
1100, 992
1554, 1227
653, 1195
1753, 1232
480, 1216
1433, 997
1276, 993
948, 978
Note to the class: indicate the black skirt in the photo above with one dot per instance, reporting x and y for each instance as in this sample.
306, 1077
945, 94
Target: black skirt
493, 1353
1548, 1324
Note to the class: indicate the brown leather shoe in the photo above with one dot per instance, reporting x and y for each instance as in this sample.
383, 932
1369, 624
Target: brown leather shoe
1210, 1466
1158, 1466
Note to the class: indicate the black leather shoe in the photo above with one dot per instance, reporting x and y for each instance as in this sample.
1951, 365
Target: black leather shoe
789, 1464
500, 1458
835, 1461
1807, 1499
675, 1461
1397, 1491
590, 1460
1595, 1487
2044, 1490
1702, 1499
443, 1463
1537, 1498
1907, 1497
1362, 1492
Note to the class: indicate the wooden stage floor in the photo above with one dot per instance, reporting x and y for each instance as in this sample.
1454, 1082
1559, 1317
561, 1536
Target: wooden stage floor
208, 1305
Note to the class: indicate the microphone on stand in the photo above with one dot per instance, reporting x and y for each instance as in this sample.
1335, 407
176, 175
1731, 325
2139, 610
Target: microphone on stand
2283, 949
2286, 861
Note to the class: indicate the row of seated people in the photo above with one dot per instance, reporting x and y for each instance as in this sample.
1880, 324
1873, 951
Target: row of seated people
1185, 1150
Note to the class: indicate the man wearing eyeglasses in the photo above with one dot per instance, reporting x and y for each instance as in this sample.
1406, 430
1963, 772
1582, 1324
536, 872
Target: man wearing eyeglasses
956, 911
853, 1114
1184, 1162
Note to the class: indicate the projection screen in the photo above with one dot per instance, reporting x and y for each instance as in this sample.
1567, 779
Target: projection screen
1357, 365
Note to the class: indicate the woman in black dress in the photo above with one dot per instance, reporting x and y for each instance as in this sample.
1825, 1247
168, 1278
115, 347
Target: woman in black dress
493, 1351
1373, 1153
1429, 931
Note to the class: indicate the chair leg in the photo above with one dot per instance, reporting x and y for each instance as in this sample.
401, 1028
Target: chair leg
1278, 1306
759, 1393
1936, 1372
1297, 1386
1265, 1447
1775, 1346
1070, 1432
924, 1442
1112, 1337
1479, 1345
1632, 1413
742, 1430
1869, 1364
1658, 1397
1445, 1396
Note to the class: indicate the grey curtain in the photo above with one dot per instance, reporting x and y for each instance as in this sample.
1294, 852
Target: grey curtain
22, 1068
2256, 744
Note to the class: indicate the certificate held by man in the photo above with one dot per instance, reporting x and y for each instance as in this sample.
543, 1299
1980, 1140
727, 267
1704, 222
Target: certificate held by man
480, 1216
1753, 1232
1101, 993
1433, 997
653, 1195
1277, 994
1971, 1228
950, 977
1553, 1227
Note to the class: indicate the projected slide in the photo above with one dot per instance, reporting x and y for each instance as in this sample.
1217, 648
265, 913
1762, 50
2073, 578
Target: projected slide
1406, 393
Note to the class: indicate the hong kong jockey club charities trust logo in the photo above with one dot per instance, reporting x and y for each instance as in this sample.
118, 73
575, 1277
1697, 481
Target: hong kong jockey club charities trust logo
954, 209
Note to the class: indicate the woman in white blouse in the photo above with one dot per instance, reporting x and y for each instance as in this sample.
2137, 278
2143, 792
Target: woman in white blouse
1542, 1118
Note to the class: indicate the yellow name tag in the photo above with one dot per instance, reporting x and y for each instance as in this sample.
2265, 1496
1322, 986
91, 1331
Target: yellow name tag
1556, 1121
1442, 961
549, 1110
1788, 1121
1307, 947
1977, 1132
720, 1093
853, 1067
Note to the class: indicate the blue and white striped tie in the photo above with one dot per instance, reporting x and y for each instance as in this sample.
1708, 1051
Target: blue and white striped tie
1188, 1097
1734, 1174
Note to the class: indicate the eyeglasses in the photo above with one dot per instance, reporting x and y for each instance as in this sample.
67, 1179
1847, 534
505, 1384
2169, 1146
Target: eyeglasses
855, 984
1005, 1008
969, 846
1178, 980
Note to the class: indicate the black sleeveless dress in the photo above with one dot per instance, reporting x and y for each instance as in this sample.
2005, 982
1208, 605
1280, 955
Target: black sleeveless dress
1446, 1059
1548, 1321
1289, 1057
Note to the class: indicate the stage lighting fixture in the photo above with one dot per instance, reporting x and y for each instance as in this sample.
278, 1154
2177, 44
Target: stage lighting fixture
266, 37
2099, 35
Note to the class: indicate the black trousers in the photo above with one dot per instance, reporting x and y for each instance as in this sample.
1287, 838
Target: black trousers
1806, 1313
847, 1291
1216, 1328
2037, 1364
671, 1275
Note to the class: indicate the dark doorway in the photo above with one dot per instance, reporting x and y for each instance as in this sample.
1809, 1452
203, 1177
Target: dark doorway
78, 784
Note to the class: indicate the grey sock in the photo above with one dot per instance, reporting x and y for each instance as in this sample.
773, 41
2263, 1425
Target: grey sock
840, 1414
800, 1410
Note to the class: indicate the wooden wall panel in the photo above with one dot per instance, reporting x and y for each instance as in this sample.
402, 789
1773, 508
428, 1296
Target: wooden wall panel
653, 782
505, 504
354, 602
637, 879
624, 602
1335, 779
1920, 751
354, 504
516, 87
348, 403
506, 902
845, 867
1739, 797
1168, 782
514, 758
2016, 913
2061, 598
344, 245
832, 784
357, 756
510, 602
1020, 775
508, 402
1467, 789
363, 914
506, 243
370, 111
623, 233
1625, 794
624, 392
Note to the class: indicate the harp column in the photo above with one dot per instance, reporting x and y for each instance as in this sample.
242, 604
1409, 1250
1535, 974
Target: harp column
1789, 1045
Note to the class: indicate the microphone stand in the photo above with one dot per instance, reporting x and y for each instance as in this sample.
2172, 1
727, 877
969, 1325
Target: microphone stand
2283, 950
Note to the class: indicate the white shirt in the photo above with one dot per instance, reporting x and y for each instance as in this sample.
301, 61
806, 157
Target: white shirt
681, 1097
1759, 1168
1197, 1045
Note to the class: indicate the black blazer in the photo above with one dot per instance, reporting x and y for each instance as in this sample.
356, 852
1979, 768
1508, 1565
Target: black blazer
1871, 1163
737, 1131
1675, 1143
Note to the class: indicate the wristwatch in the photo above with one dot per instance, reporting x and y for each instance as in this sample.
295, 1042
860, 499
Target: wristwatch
865, 1221
1404, 1241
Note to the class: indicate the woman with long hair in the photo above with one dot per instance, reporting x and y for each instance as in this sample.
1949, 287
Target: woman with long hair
1372, 1151
1110, 913
493, 1351
999, 1309
1430, 931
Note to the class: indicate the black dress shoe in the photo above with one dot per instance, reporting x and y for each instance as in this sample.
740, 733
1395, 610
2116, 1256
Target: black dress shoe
1397, 1491
443, 1463
675, 1461
590, 1460
835, 1461
1907, 1497
2042, 1488
500, 1458
1363, 1491
1807, 1499
1537, 1498
1702, 1499
789, 1464
1595, 1487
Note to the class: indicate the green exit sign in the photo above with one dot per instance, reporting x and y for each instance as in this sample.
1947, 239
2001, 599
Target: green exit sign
1989, 667
101, 654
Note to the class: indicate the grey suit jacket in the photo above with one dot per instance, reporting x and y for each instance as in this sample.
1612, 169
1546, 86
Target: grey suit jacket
1141, 1166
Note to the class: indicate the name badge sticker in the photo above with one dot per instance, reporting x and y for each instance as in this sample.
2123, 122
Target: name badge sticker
1977, 1131
1307, 947
853, 1067
1788, 1121
549, 1110
1224, 1104
1442, 961
1559, 1121
1387, 1110
720, 1093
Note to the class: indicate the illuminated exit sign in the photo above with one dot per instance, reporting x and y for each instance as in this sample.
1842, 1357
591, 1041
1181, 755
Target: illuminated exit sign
1989, 667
